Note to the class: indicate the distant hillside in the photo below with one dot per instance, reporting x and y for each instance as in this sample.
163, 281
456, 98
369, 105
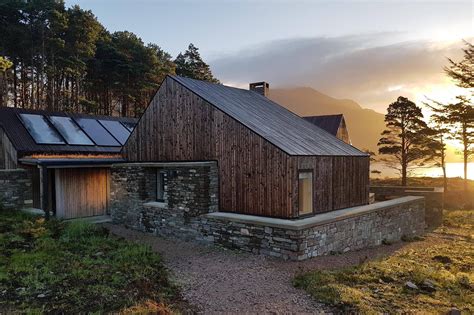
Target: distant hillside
365, 125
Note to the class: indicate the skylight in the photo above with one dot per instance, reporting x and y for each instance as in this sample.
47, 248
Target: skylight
40, 129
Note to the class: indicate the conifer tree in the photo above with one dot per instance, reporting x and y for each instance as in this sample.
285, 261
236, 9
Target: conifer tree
407, 139
462, 72
440, 125
460, 114
191, 65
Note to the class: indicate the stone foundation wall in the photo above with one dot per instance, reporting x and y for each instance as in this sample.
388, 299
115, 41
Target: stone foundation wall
16, 189
189, 212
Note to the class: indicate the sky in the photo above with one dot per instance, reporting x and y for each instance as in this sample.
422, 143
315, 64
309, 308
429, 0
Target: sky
368, 51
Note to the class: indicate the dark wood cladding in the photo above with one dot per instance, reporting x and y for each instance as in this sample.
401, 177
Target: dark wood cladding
255, 177
8, 154
81, 192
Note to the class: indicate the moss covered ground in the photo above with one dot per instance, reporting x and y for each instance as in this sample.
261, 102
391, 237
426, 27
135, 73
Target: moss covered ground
427, 276
57, 267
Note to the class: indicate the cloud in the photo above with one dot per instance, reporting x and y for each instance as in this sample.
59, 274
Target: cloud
371, 69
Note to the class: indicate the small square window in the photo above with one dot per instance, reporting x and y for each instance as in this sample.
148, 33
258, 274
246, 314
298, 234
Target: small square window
160, 185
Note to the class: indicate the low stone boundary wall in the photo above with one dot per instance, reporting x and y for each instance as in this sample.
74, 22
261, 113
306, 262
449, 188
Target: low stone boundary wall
333, 232
189, 212
16, 189
434, 199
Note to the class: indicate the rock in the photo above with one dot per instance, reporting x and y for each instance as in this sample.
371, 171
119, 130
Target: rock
41, 296
410, 285
443, 259
244, 231
386, 279
428, 286
454, 311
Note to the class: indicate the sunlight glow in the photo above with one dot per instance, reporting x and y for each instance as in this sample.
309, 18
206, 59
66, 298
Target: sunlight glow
452, 170
395, 88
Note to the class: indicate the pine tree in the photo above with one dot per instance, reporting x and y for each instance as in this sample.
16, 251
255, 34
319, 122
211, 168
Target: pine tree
461, 114
5, 64
191, 65
462, 72
406, 141
440, 125
461, 118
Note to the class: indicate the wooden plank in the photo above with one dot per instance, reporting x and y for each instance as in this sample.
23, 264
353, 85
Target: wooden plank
81, 192
8, 154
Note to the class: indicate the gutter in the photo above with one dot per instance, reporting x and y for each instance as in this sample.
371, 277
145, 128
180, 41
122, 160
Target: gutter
70, 163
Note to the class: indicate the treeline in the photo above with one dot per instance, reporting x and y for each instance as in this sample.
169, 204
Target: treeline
63, 59
409, 141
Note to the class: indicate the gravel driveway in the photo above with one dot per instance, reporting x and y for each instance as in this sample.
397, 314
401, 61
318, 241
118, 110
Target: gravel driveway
216, 280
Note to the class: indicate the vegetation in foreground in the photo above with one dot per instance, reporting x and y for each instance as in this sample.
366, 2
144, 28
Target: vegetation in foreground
429, 276
52, 266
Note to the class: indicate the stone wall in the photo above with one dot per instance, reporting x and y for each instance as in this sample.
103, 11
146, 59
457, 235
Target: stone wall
333, 232
189, 212
191, 189
434, 199
16, 189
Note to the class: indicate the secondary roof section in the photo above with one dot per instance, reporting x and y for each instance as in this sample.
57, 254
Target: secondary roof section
42, 132
330, 123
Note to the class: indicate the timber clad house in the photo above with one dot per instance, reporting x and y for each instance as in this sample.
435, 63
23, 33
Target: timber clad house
270, 161
208, 163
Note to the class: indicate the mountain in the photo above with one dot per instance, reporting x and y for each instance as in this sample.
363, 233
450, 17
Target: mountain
364, 125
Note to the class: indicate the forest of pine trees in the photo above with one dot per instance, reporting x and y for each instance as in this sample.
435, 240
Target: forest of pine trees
63, 59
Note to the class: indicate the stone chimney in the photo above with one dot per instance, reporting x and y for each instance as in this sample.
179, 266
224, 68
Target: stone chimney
260, 88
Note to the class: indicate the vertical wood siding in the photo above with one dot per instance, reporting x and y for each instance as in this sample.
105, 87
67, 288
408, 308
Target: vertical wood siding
81, 192
255, 177
342, 132
339, 181
8, 154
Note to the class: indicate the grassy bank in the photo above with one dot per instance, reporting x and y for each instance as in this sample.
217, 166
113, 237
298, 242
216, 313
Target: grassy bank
77, 267
427, 276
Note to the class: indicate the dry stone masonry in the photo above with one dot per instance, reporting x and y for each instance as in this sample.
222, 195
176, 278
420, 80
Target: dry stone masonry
189, 211
16, 189
434, 199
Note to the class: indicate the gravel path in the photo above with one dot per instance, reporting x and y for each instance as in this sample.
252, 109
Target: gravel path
216, 280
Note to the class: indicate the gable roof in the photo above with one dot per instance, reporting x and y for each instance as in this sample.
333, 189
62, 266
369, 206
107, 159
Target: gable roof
24, 144
276, 124
330, 123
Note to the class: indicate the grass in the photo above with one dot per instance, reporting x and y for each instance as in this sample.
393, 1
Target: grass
445, 258
57, 267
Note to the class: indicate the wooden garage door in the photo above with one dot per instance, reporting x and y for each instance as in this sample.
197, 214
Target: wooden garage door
81, 192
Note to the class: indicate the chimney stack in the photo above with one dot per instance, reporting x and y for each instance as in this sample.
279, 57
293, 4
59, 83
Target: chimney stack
260, 87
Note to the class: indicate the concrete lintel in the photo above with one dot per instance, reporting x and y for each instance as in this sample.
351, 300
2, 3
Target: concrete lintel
165, 164
156, 204
319, 219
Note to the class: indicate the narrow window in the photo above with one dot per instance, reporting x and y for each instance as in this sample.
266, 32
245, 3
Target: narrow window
305, 189
160, 185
